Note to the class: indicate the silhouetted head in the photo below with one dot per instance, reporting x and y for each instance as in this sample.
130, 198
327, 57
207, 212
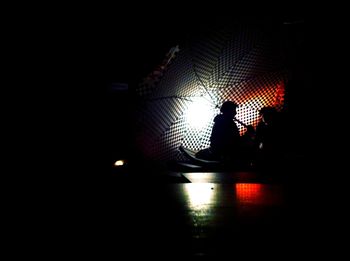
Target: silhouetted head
268, 114
228, 108
250, 129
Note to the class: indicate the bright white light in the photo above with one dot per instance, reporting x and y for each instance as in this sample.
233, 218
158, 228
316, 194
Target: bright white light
119, 163
199, 113
200, 195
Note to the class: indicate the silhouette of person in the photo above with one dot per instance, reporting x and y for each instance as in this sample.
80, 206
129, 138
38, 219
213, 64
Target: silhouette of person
268, 138
225, 141
225, 138
248, 146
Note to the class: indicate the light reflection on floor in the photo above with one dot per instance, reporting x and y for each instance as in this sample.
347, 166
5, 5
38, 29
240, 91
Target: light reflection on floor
210, 202
248, 192
216, 215
231, 212
200, 195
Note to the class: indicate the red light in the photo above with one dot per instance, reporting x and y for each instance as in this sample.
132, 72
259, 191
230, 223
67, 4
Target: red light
248, 193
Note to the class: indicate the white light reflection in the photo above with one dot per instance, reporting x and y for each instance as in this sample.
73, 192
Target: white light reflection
200, 195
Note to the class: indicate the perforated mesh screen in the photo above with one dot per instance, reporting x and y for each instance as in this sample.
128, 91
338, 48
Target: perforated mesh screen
241, 64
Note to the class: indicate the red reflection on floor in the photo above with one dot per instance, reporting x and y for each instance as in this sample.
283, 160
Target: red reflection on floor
249, 193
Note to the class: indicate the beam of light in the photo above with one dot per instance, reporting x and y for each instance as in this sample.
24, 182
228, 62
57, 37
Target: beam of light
200, 195
119, 163
199, 113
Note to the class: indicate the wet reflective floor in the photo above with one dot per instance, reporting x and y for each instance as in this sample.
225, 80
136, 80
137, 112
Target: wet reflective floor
204, 214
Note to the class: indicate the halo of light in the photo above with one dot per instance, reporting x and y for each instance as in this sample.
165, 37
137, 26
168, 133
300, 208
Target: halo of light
199, 113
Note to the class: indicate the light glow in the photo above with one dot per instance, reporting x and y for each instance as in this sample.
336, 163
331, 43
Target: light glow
199, 113
249, 193
119, 163
200, 195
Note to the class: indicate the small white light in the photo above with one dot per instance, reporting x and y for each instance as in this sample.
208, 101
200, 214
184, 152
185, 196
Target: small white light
119, 163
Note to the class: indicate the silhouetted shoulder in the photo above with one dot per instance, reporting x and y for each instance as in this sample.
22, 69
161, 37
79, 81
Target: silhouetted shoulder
219, 118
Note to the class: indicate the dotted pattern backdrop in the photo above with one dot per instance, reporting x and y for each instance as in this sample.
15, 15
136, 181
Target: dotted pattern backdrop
244, 65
